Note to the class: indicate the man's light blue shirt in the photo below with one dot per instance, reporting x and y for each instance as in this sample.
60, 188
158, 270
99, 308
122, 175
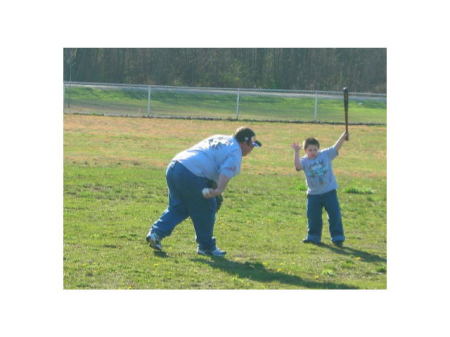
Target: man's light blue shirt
215, 155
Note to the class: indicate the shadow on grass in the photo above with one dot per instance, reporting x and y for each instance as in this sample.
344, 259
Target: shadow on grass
364, 256
160, 253
256, 271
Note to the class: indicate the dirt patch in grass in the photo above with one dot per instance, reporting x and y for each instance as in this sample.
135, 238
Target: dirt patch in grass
152, 142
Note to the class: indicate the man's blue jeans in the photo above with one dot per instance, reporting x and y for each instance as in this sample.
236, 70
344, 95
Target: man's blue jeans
314, 206
186, 200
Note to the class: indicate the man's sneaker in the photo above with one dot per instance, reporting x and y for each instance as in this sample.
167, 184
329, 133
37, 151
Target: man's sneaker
214, 252
154, 241
338, 243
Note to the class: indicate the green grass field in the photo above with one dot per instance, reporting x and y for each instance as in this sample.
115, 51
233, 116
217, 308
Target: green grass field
114, 188
168, 103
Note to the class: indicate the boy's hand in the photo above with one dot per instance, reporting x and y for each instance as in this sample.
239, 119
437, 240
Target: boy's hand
296, 147
340, 141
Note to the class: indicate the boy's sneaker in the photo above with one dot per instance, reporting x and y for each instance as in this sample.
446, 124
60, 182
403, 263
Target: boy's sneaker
313, 242
214, 252
338, 243
154, 241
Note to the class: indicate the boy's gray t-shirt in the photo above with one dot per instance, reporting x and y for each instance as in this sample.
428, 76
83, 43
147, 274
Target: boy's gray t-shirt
215, 155
319, 171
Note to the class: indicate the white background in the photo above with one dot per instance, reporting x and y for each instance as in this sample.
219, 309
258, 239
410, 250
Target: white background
33, 301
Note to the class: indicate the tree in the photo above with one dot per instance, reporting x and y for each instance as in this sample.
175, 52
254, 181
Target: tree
362, 69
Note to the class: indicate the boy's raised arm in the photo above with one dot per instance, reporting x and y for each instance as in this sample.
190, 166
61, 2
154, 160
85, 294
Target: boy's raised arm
297, 163
340, 141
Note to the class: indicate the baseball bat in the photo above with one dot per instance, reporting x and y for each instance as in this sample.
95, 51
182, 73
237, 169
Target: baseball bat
346, 111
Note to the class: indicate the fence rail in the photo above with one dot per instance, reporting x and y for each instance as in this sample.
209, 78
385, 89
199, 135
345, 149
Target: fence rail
222, 103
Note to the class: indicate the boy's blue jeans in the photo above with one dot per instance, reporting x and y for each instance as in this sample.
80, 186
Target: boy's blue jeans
314, 206
186, 200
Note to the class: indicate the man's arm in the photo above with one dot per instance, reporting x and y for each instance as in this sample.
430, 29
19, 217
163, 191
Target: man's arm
297, 163
340, 141
221, 184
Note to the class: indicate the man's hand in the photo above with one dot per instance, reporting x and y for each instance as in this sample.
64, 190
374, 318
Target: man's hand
212, 193
214, 189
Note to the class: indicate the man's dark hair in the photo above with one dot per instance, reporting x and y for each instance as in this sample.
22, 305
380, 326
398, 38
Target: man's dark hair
310, 141
244, 134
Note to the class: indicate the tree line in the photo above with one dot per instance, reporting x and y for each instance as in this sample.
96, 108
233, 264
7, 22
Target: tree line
361, 69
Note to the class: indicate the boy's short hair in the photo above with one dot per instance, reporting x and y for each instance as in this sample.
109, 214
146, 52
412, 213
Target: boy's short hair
310, 141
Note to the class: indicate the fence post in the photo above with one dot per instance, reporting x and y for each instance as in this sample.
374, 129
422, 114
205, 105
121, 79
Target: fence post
237, 105
70, 84
315, 107
66, 99
149, 98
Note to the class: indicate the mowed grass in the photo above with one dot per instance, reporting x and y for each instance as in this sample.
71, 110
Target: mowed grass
114, 189
194, 104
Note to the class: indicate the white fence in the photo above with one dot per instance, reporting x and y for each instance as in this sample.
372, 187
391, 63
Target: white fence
221, 103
